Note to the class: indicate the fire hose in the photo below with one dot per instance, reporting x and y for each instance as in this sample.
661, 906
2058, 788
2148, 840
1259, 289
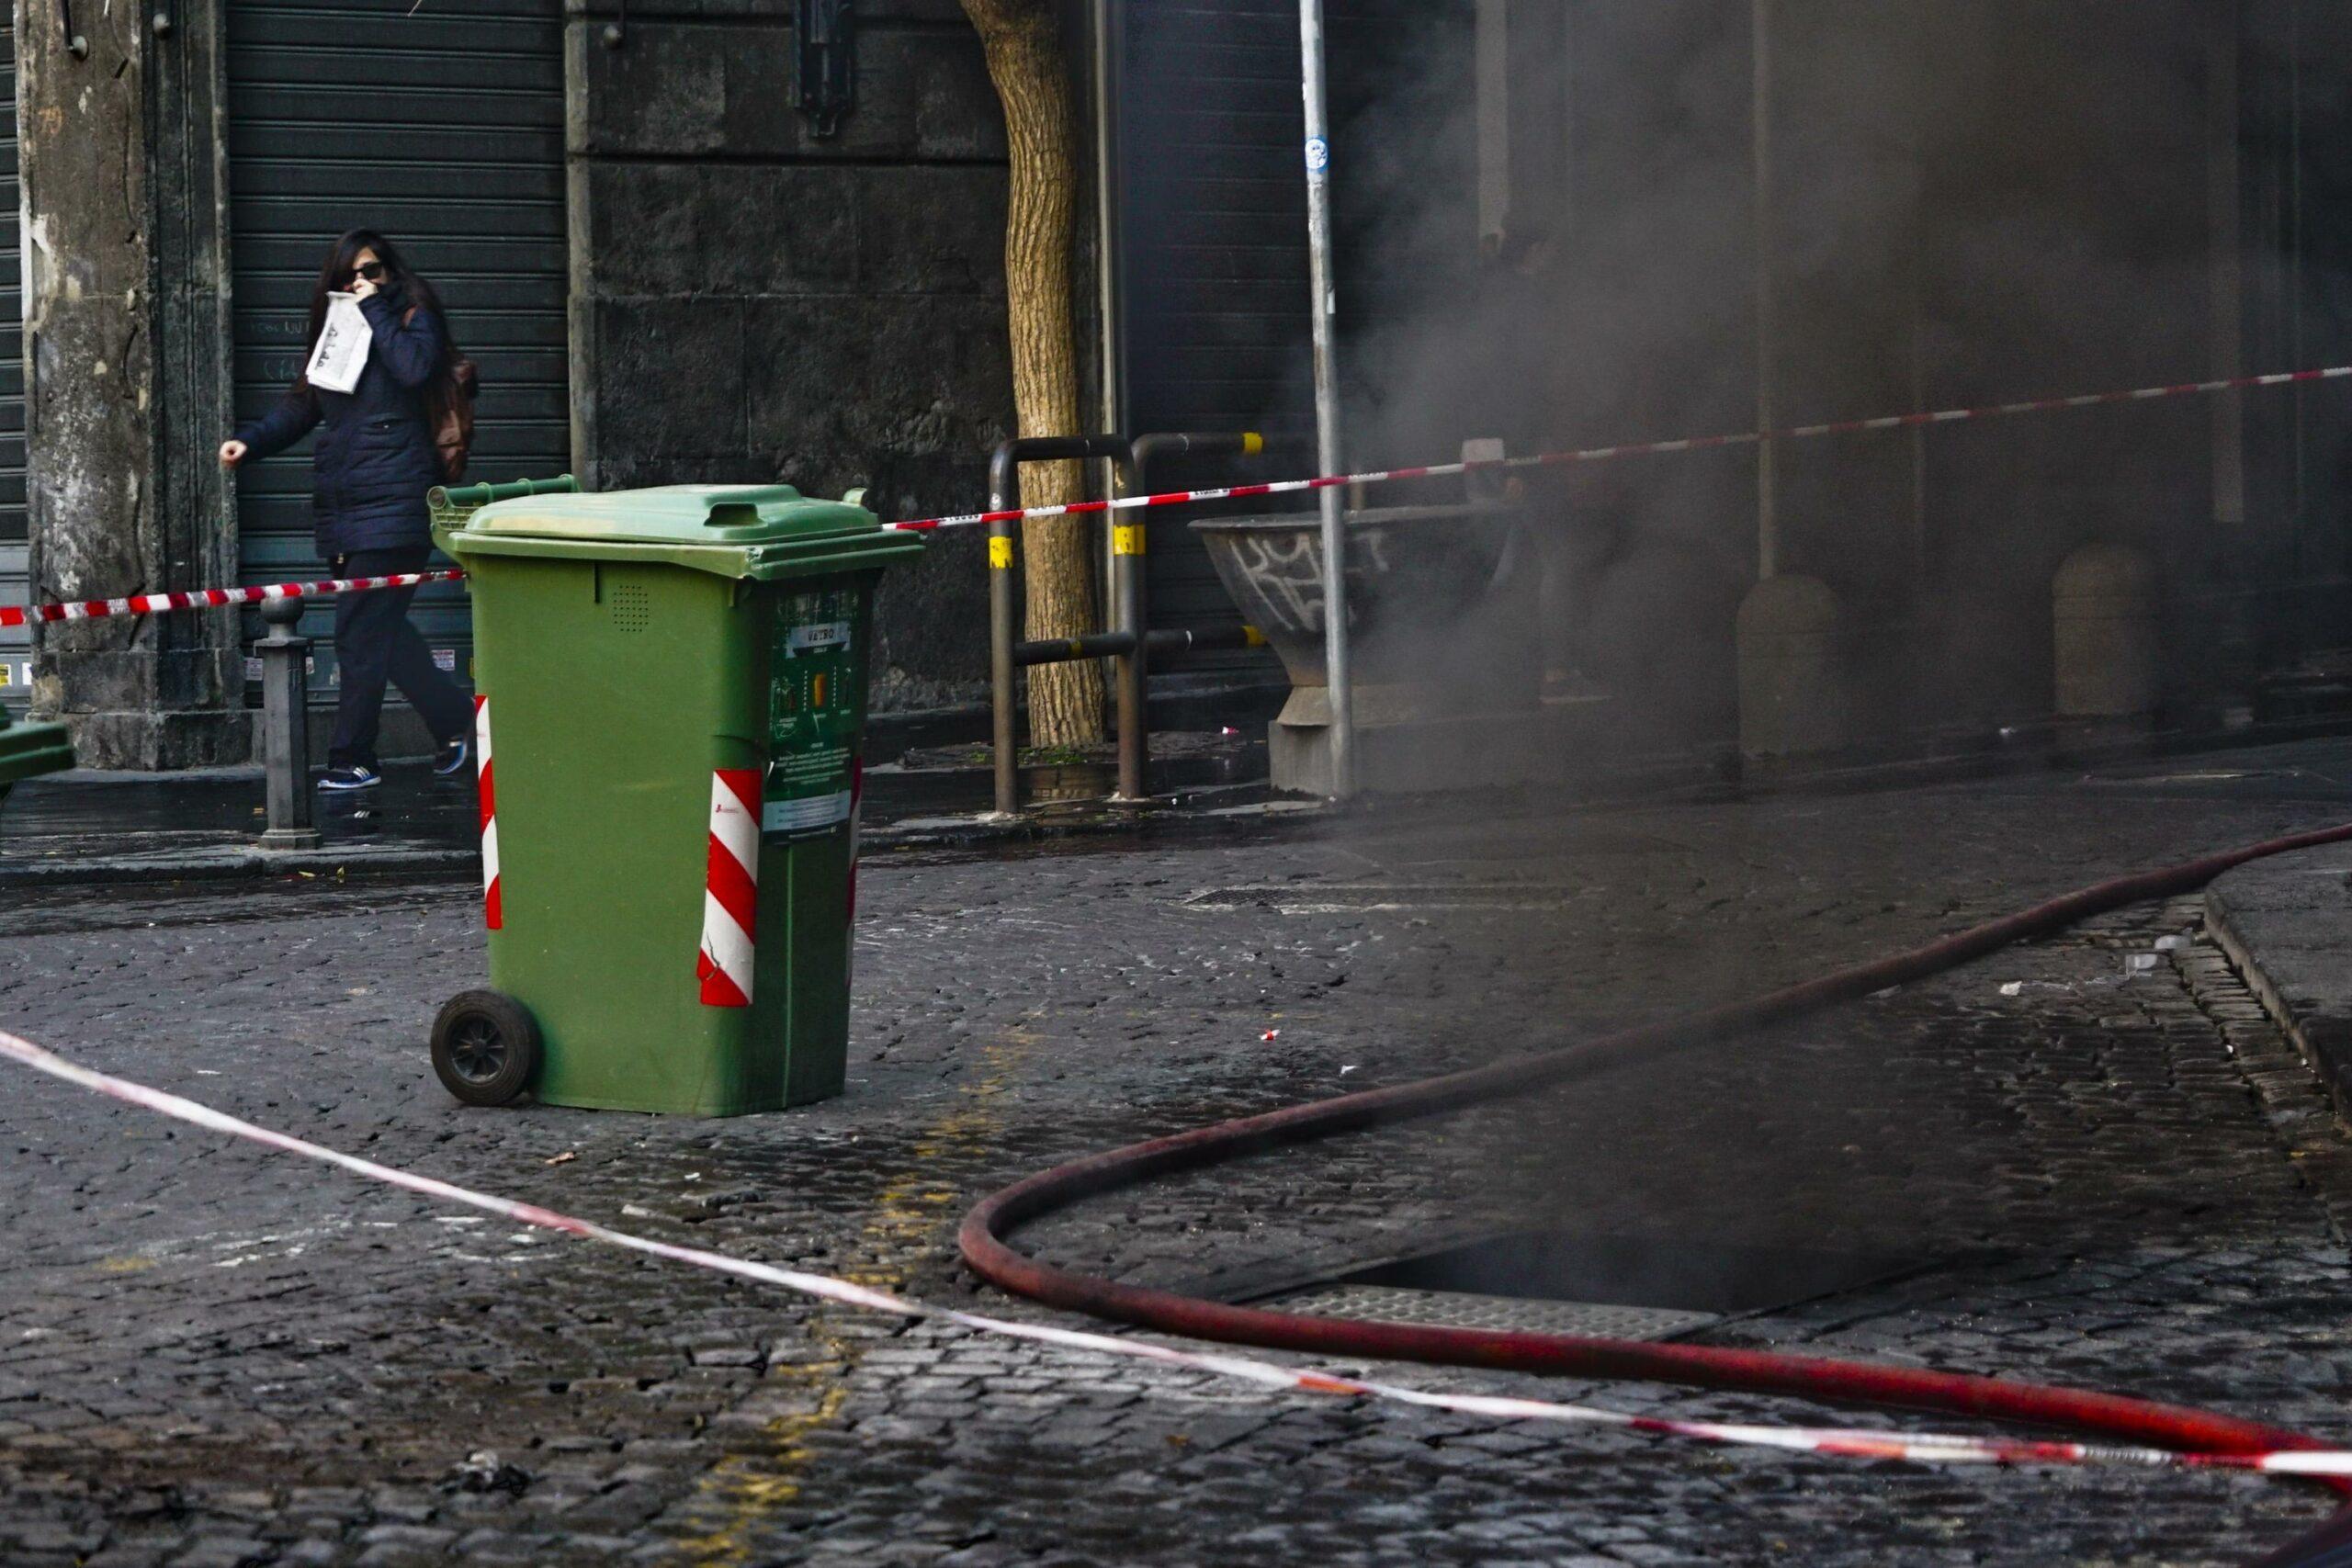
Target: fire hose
984, 1236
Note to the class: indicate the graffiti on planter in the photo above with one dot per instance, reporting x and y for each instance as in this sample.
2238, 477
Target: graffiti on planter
1283, 570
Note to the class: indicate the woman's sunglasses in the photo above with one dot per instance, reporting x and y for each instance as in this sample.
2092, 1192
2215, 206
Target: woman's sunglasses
372, 271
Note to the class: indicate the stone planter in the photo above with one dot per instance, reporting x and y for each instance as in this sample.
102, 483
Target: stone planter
1441, 619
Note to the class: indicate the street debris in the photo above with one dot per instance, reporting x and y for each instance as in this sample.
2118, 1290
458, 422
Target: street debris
1269, 1037
484, 1471
564, 1158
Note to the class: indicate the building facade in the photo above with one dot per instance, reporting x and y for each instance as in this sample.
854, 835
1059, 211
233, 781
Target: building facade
1562, 222
662, 270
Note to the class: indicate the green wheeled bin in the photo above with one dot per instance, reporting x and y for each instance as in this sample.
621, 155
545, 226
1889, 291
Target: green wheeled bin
671, 691
27, 749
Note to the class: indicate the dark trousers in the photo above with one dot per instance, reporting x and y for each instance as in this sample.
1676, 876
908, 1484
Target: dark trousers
374, 643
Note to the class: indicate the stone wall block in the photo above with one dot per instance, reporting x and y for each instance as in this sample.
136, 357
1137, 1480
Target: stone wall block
925, 375
669, 377
679, 90
931, 617
870, 13
931, 230
639, 472
1793, 696
2106, 658
719, 229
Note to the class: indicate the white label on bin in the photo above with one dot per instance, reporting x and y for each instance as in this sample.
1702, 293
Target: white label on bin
803, 815
445, 660
824, 634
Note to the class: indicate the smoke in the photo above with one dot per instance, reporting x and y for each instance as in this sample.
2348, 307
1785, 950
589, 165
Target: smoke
1966, 202
1970, 201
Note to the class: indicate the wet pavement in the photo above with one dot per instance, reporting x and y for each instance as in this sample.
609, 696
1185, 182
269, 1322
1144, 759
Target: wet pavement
2103, 1159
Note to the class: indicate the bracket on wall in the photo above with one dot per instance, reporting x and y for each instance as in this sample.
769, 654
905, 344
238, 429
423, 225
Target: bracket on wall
615, 32
824, 62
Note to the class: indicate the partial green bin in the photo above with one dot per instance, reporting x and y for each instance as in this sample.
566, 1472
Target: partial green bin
27, 749
653, 667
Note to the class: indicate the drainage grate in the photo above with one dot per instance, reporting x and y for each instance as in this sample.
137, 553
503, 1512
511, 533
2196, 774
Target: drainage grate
1616, 1287
1458, 1309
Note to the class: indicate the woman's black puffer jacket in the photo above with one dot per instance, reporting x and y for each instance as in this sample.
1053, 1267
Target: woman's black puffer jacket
375, 459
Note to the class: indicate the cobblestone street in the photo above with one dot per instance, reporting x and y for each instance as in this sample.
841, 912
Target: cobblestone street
2105, 1172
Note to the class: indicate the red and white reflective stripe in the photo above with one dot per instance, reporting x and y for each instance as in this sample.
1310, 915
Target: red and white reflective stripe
1639, 449
493, 909
731, 889
1867, 1444
213, 598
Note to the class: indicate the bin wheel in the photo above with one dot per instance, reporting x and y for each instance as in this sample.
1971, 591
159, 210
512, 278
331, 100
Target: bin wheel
485, 1048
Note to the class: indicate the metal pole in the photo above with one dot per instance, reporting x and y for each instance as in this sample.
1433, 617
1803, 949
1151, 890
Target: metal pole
1127, 617
1326, 400
1768, 476
284, 727
1004, 484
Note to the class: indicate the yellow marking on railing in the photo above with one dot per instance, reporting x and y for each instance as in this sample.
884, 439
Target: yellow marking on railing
1126, 539
1000, 553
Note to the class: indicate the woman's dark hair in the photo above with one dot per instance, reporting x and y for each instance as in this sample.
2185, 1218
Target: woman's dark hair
335, 278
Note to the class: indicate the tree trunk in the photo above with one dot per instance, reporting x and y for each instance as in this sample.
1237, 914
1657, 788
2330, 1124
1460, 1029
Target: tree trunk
1023, 39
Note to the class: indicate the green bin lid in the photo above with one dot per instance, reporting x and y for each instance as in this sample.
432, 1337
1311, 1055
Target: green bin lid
754, 531
29, 749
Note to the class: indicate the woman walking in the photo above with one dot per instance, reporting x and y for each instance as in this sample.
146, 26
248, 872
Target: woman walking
376, 458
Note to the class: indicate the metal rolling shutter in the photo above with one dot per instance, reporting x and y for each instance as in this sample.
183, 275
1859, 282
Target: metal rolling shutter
441, 125
1213, 257
16, 642
1212, 200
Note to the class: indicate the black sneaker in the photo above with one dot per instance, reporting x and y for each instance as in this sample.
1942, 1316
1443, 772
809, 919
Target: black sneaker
451, 756
356, 777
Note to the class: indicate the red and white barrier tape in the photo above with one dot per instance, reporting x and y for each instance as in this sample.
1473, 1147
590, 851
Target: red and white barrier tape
214, 598
1838, 1443
1640, 449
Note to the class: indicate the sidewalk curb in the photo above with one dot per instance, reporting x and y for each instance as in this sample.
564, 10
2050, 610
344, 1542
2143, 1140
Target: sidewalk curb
228, 864
430, 863
2288, 981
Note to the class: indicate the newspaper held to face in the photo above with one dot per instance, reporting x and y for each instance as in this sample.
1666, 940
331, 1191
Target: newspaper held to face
341, 353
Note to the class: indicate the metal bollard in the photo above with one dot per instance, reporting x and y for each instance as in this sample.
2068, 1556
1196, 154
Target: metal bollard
284, 726
1004, 494
1004, 740
1130, 603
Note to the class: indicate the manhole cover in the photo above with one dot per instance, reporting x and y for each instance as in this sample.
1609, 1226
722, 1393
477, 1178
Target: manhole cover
1463, 1309
1559, 1282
